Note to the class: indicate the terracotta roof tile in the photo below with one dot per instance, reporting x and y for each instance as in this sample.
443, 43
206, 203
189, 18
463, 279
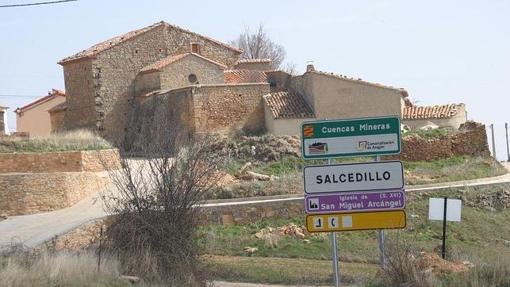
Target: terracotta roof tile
288, 105
51, 95
171, 59
244, 61
431, 112
245, 76
105, 45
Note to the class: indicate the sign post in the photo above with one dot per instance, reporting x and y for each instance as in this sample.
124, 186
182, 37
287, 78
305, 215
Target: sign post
444, 209
360, 196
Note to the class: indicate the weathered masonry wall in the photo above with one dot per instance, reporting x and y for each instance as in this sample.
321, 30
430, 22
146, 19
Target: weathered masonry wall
251, 212
72, 161
471, 140
28, 193
221, 108
79, 83
176, 74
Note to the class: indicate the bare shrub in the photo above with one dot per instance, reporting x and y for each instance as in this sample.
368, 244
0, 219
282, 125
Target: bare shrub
155, 204
400, 268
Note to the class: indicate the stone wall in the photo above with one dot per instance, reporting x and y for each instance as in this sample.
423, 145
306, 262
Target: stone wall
28, 193
79, 83
255, 66
225, 107
72, 161
250, 212
470, 140
176, 74
57, 120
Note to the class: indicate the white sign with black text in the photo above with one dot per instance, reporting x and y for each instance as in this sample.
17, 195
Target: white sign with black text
368, 176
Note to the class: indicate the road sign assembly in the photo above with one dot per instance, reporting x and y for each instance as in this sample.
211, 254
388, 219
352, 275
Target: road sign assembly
356, 221
355, 137
444, 209
354, 196
368, 176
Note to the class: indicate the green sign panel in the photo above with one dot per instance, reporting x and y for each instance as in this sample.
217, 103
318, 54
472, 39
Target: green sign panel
353, 137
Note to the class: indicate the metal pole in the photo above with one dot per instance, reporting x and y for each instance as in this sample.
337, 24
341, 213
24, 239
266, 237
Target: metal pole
443, 248
334, 254
493, 142
381, 238
507, 145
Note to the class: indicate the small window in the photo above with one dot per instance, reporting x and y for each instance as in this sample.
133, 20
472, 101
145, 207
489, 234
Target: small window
136, 51
195, 48
192, 78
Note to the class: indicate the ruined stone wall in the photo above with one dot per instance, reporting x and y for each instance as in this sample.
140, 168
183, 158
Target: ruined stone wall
147, 82
278, 80
221, 108
79, 83
72, 161
471, 140
57, 120
28, 193
176, 74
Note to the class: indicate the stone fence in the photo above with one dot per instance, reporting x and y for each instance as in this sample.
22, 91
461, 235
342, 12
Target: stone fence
471, 140
39, 182
68, 161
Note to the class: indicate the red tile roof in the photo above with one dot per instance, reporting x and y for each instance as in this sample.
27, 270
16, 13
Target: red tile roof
156, 66
245, 76
288, 105
432, 112
249, 61
105, 45
51, 95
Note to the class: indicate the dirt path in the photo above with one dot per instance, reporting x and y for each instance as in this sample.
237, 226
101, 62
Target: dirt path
32, 230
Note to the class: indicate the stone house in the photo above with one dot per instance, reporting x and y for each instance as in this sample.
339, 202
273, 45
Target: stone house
33, 119
3, 122
450, 116
166, 73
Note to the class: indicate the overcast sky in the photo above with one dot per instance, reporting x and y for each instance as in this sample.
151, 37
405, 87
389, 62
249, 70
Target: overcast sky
439, 51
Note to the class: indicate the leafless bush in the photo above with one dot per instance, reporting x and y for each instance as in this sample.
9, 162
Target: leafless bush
400, 269
155, 202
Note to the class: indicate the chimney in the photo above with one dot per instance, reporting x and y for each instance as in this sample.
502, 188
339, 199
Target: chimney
310, 67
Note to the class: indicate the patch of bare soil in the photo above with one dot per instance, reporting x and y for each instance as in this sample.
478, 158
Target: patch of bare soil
432, 263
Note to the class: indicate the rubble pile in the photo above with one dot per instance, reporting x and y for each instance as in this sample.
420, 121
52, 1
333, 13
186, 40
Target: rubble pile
494, 200
264, 148
432, 263
290, 229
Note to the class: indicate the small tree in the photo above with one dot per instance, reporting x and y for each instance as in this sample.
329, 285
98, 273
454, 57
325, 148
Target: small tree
257, 45
154, 204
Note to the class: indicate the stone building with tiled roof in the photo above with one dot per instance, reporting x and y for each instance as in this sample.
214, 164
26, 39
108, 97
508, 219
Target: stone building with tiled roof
203, 86
3, 122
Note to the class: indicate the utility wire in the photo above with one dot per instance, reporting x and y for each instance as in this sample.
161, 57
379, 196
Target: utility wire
20, 96
35, 3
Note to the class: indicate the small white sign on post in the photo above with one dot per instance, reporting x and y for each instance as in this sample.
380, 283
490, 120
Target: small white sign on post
453, 210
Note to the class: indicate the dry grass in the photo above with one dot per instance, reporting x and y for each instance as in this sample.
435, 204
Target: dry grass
62, 269
65, 141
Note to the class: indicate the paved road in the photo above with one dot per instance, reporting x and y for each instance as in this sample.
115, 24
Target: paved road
32, 230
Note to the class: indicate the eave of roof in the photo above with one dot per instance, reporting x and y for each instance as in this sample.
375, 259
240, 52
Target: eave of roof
53, 94
431, 112
252, 61
360, 81
105, 45
156, 66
